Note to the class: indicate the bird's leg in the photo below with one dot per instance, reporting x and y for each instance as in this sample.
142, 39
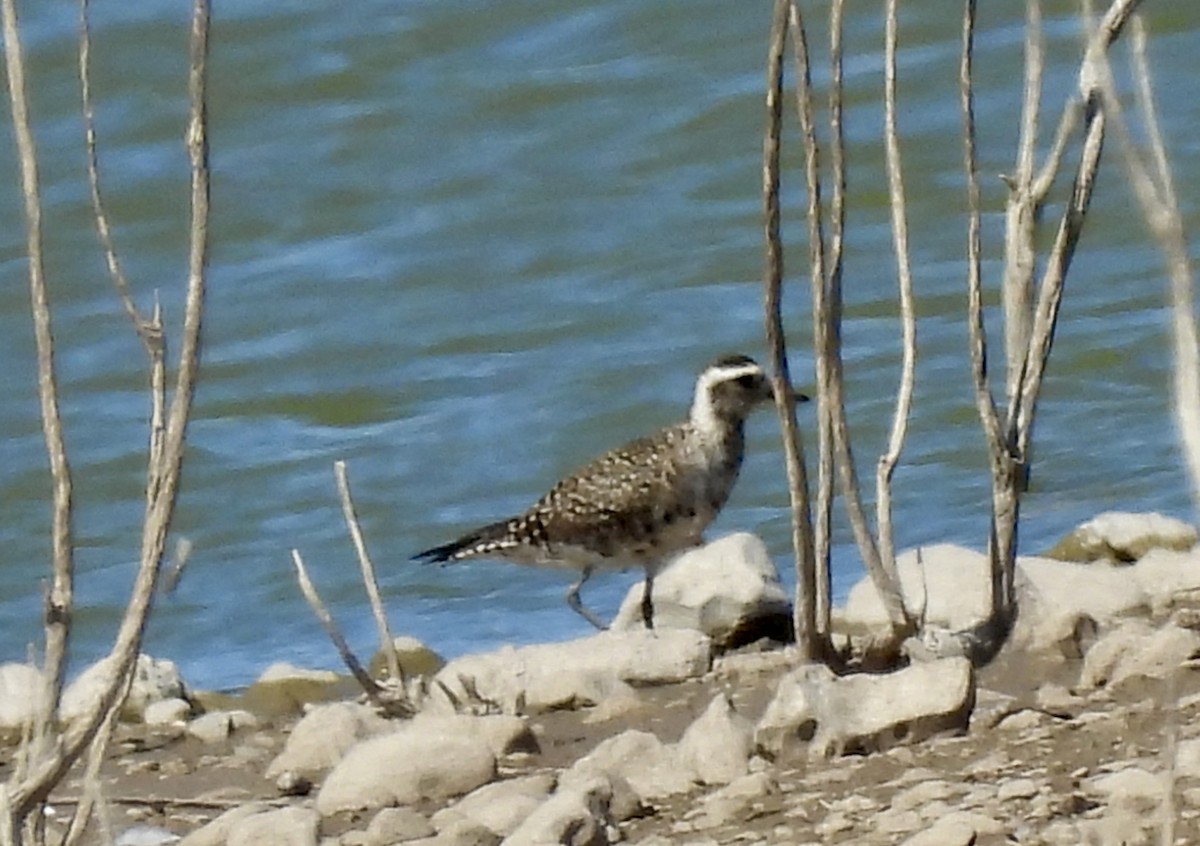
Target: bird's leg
577, 605
648, 601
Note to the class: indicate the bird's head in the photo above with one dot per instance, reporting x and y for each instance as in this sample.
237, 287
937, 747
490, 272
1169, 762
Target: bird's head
729, 389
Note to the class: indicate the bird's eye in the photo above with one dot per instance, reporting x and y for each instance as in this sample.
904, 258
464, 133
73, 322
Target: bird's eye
748, 381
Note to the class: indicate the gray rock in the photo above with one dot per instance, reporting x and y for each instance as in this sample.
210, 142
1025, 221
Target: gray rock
218, 726
146, 835
216, 832
652, 768
718, 745
280, 827
1124, 537
576, 815
1135, 648
581, 672
952, 583
323, 736
729, 589
20, 692
167, 712
863, 712
153, 681
947, 831
736, 801
1131, 790
501, 806
397, 825
407, 766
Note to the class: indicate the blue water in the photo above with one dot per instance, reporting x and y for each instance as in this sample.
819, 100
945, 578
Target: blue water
465, 248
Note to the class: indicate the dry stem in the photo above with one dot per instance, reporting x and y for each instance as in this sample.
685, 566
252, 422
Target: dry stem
386, 642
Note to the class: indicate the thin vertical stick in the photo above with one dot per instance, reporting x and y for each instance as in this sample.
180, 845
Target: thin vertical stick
386, 642
822, 529
60, 597
804, 608
908, 318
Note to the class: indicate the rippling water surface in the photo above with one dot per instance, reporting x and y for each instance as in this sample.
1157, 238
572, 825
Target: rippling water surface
467, 246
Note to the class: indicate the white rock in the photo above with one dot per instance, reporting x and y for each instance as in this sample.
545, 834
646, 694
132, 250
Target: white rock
1165, 574
952, 584
736, 800
501, 806
1132, 789
552, 676
1017, 788
1124, 536
397, 825
867, 712
503, 734
1187, 758
217, 726
324, 735
20, 692
651, 767
576, 815
281, 827
922, 794
718, 745
1135, 648
216, 832
283, 671
947, 831
153, 681
405, 767
729, 589
146, 835
167, 712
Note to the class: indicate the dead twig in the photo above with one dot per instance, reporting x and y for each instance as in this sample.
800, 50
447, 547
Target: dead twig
804, 607
386, 642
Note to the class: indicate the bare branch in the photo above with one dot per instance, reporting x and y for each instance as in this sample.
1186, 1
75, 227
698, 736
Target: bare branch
804, 608
908, 318
60, 597
368, 684
1153, 186
163, 482
386, 642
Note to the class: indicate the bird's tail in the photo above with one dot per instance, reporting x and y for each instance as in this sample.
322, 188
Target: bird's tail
495, 537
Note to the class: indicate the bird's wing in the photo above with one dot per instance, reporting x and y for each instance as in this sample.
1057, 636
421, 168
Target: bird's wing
627, 497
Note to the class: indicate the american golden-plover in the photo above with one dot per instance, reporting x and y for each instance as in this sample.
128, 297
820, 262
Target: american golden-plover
640, 504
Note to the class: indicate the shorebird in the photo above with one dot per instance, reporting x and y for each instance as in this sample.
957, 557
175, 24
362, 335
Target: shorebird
640, 504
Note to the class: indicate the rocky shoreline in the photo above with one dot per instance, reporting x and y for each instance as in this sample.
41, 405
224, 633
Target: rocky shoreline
707, 731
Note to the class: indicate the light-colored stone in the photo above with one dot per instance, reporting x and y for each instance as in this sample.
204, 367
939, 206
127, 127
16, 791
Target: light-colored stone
1135, 648
217, 726
397, 825
952, 584
500, 806
729, 589
1017, 788
20, 692
1133, 789
581, 672
651, 767
948, 831
1124, 537
576, 815
736, 800
504, 734
280, 827
324, 735
146, 835
405, 767
414, 657
167, 712
718, 745
285, 671
153, 680
216, 832
866, 712
921, 794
